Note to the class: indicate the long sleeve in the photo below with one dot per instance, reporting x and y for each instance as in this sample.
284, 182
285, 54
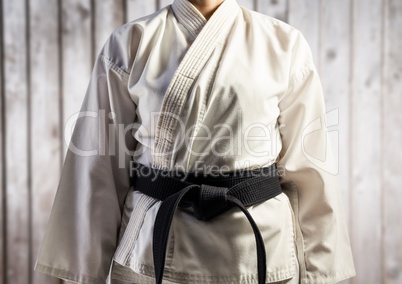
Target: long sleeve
307, 164
83, 228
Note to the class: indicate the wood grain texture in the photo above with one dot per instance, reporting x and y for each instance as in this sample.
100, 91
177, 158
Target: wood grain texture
392, 137
77, 58
45, 123
305, 16
366, 149
76, 61
18, 268
274, 8
334, 58
108, 15
2, 156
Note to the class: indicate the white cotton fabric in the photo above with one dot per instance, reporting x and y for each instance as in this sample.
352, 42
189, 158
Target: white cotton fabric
247, 94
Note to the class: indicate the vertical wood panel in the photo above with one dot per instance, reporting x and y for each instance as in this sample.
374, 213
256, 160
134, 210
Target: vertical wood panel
77, 60
305, 16
335, 67
392, 137
335, 35
45, 124
274, 8
16, 132
2, 155
139, 8
366, 148
109, 14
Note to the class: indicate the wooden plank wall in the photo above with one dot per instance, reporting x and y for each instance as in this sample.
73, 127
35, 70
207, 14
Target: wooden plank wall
45, 93
47, 51
16, 131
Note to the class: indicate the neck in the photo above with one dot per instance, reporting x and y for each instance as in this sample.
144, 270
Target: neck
206, 7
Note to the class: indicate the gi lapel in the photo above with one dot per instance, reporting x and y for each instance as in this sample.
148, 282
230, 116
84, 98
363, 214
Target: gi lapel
215, 29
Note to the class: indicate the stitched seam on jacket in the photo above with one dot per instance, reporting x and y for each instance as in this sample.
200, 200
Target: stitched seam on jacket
283, 272
130, 276
333, 278
114, 66
300, 239
293, 237
67, 275
299, 75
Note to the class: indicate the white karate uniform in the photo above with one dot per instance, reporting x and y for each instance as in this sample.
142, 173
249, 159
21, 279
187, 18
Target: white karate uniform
175, 91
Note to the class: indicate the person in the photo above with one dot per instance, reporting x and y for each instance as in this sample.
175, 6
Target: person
199, 86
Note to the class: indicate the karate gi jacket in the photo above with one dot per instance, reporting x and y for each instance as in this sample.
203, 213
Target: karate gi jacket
173, 90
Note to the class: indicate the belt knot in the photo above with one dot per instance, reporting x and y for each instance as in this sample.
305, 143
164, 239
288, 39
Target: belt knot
209, 201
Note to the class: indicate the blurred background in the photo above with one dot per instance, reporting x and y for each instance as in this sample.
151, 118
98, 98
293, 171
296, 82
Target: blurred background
47, 51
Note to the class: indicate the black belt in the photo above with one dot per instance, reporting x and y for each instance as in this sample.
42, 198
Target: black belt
209, 195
